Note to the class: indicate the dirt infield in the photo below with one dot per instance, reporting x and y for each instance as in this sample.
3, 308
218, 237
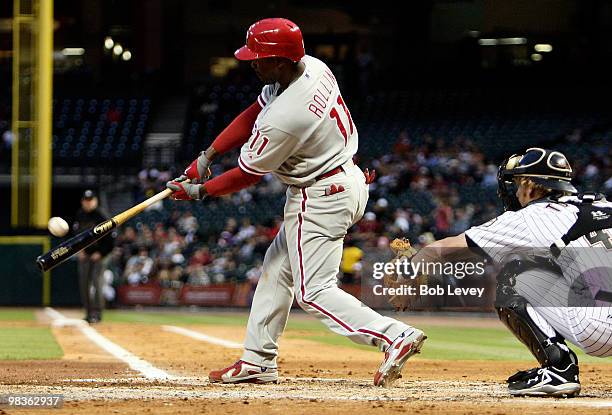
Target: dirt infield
316, 378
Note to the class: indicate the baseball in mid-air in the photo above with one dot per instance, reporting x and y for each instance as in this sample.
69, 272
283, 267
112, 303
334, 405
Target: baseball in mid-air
58, 226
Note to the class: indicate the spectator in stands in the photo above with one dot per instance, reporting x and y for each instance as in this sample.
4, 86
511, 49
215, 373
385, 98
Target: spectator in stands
381, 209
169, 273
247, 250
401, 222
462, 220
231, 226
246, 231
218, 267
201, 257
113, 115
188, 224
173, 243
368, 224
350, 264
403, 145
443, 216
198, 275
139, 267
253, 275
489, 178
145, 237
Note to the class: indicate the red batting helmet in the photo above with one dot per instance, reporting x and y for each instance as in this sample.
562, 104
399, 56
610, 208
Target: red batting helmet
275, 37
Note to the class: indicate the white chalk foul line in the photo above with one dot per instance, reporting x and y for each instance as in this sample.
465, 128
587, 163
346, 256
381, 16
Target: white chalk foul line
203, 337
134, 362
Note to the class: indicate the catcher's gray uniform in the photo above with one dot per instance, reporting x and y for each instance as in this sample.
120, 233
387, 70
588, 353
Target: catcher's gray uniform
301, 134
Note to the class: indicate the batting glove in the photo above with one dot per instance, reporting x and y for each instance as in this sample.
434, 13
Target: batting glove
369, 177
199, 169
183, 190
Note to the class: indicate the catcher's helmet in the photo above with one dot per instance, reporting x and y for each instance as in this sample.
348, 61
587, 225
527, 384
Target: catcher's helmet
547, 168
275, 37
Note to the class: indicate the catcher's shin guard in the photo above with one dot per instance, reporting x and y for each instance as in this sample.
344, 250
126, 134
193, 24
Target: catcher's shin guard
545, 349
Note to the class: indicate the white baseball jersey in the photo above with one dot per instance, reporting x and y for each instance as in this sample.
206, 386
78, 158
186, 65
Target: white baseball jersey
301, 132
569, 301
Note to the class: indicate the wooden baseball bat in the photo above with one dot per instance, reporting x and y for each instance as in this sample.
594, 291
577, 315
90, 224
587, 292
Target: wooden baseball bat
77, 243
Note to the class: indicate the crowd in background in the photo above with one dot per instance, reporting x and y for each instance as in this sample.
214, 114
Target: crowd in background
176, 251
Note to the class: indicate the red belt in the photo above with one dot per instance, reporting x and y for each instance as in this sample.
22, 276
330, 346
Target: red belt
330, 173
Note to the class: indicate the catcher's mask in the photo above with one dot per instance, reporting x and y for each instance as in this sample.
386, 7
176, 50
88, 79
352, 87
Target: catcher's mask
547, 168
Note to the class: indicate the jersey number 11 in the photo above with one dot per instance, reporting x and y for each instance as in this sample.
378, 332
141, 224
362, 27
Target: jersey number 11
335, 115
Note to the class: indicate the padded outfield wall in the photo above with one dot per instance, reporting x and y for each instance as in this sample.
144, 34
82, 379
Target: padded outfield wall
22, 283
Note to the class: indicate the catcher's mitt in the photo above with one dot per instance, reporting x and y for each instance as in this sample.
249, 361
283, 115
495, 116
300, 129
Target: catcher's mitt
403, 252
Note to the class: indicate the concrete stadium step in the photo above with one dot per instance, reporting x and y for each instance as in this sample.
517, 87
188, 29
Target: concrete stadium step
169, 115
160, 149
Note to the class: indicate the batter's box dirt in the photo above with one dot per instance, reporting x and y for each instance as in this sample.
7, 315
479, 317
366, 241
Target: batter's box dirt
341, 394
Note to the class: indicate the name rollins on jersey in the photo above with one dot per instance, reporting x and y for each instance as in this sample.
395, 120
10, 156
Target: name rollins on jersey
322, 95
425, 290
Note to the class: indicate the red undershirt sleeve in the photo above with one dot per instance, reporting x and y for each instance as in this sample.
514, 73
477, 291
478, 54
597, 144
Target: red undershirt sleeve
231, 181
238, 131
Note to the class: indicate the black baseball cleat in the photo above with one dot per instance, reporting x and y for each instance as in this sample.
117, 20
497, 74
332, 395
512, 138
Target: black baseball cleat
546, 381
522, 375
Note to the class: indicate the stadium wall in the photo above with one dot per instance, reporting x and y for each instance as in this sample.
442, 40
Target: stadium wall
22, 283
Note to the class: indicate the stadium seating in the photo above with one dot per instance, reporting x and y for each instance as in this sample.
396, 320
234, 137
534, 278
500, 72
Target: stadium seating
211, 109
99, 132
497, 121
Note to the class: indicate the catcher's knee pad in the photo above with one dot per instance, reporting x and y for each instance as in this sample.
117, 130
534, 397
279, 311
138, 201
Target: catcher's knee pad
546, 349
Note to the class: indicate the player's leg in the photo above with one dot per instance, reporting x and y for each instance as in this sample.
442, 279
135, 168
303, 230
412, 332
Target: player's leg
316, 225
558, 374
97, 301
589, 328
84, 287
269, 311
271, 304
592, 328
570, 310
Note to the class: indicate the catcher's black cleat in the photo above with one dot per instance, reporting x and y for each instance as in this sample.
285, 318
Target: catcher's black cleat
522, 375
546, 381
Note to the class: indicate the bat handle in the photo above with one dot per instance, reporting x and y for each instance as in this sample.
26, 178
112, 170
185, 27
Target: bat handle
133, 211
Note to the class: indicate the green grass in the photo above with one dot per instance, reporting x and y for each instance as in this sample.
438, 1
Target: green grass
448, 343
178, 318
15, 314
444, 342
118, 316
28, 343
451, 343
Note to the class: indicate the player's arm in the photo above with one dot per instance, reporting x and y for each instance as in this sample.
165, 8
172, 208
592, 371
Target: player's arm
233, 136
237, 132
229, 182
507, 234
493, 239
444, 249
266, 150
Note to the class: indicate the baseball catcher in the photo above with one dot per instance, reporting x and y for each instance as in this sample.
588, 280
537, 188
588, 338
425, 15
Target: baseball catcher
555, 250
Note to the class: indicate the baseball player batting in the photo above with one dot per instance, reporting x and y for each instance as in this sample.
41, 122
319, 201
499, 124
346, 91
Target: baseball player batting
300, 129
560, 288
